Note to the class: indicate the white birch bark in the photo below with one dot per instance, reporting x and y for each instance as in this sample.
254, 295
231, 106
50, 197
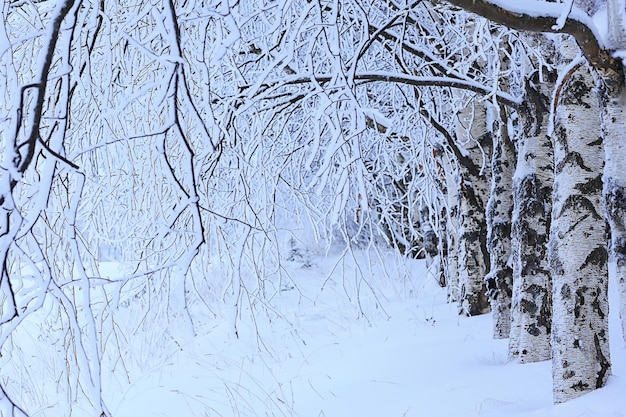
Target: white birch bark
430, 244
451, 259
532, 189
429, 237
473, 195
616, 12
499, 210
449, 248
614, 129
577, 250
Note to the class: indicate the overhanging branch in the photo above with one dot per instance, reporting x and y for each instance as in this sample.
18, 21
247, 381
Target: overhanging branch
383, 76
544, 21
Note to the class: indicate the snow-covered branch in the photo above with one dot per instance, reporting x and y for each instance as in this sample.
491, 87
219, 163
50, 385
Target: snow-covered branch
545, 17
266, 89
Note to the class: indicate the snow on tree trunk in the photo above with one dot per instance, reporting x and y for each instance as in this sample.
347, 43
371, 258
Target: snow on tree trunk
614, 127
499, 281
577, 250
474, 136
532, 189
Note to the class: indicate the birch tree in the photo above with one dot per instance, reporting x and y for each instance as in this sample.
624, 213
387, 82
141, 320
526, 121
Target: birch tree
532, 189
499, 280
613, 107
473, 194
580, 277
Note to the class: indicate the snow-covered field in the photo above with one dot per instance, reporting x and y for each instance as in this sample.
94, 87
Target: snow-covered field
344, 339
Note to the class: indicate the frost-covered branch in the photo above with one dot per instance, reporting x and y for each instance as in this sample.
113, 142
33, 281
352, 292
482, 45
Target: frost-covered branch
265, 90
543, 16
39, 89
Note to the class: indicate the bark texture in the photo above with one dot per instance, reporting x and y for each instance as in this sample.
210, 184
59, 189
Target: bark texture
578, 253
451, 260
473, 195
532, 190
499, 281
431, 244
614, 128
616, 11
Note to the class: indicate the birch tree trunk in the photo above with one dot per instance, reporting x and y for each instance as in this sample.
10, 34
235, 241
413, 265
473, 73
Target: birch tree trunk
614, 128
449, 247
499, 281
473, 195
532, 189
430, 243
577, 250
451, 261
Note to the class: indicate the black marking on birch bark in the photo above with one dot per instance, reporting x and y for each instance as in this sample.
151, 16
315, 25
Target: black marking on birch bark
499, 282
537, 103
529, 306
576, 92
579, 301
605, 365
573, 159
483, 247
500, 229
591, 187
566, 292
561, 138
596, 142
531, 265
597, 257
533, 330
471, 197
615, 203
579, 204
595, 304
619, 250
569, 374
580, 386
615, 206
542, 313
533, 196
431, 243
544, 319
430, 239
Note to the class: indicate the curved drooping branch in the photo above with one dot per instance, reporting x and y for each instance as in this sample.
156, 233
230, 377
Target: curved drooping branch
40, 90
544, 17
264, 89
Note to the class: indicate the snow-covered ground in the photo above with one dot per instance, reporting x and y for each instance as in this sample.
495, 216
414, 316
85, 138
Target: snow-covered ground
346, 339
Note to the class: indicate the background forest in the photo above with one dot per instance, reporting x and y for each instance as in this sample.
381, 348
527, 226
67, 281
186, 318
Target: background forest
166, 164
